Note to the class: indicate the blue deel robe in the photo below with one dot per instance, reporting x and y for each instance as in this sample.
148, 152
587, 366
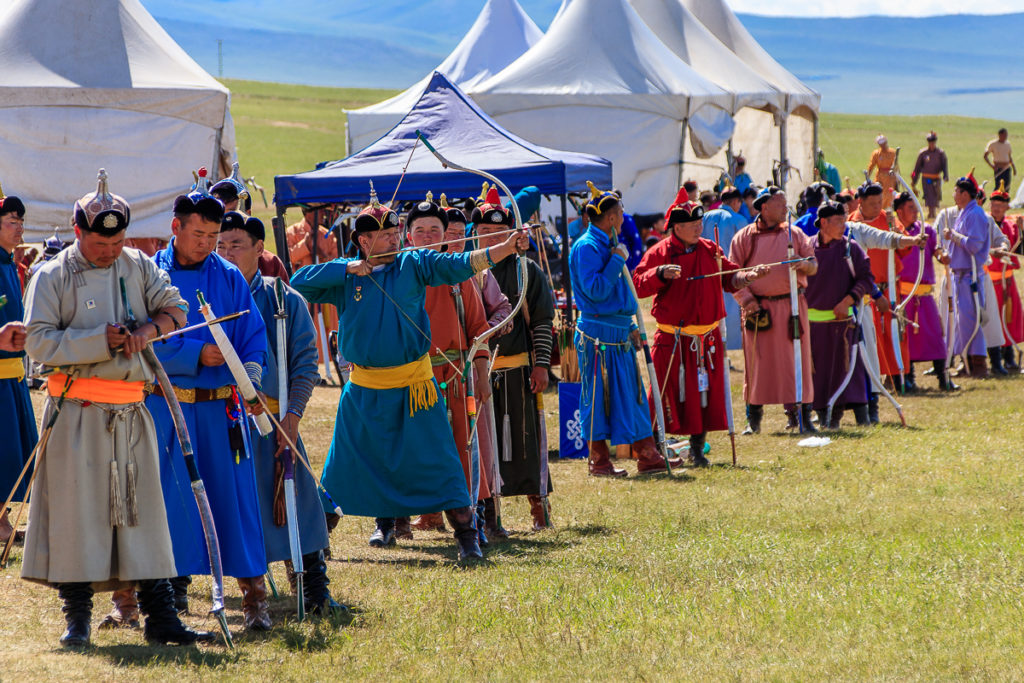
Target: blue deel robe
729, 223
303, 375
606, 307
629, 235
806, 222
231, 486
382, 462
20, 436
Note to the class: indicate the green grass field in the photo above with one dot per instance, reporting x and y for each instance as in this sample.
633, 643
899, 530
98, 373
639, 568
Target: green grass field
290, 128
890, 554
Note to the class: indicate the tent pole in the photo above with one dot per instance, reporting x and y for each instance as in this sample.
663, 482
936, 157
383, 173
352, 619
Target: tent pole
783, 160
566, 283
682, 153
280, 239
215, 167
814, 151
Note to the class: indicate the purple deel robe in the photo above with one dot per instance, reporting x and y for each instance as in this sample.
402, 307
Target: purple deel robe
927, 341
969, 245
831, 341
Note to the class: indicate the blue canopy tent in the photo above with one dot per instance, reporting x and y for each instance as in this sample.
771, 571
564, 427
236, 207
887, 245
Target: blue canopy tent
461, 131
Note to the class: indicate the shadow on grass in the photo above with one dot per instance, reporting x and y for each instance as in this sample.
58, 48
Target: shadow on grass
141, 654
516, 545
315, 634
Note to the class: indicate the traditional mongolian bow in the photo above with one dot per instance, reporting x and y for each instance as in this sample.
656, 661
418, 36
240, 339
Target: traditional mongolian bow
198, 488
794, 333
920, 212
287, 456
484, 336
894, 322
234, 363
727, 366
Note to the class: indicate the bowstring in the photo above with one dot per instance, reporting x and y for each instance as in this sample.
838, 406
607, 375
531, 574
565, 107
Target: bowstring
411, 321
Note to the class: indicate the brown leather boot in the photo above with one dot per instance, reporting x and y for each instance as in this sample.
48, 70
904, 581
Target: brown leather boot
978, 366
126, 609
403, 530
649, 460
601, 461
254, 603
430, 522
540, 511
492, 527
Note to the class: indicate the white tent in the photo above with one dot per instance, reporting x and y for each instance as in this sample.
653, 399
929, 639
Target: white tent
600, 81
797, 125
100, 84
755, 100
501, 33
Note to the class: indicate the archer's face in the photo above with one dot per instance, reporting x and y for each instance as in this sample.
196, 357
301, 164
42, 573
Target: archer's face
998, 210
907, 214
12, 228
832, 227
379, 242
99, 250
195, 238
688, 232
871, 206
241, 249
427, 230
490, 234
455, 231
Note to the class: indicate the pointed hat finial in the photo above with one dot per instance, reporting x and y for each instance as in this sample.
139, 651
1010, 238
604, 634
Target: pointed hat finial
373, 196
444, 201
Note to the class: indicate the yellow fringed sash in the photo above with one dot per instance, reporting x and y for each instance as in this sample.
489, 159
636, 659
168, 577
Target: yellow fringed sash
691, 330
417, 375
12, 368
519, 360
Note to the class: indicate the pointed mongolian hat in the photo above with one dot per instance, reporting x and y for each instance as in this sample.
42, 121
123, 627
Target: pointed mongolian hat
100, 211
375, 216
491, 212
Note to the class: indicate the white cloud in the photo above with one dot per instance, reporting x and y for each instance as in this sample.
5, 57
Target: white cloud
845, 8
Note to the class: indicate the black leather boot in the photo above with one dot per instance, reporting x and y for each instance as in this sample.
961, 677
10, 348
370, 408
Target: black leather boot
873, 409
860, 414
837, 417
940, 372
491, 524
77, 610
792, 416
754, 415
461, 520
179, 586
909, 381
481, 537
808, 423
384, 535
697, 450
995, 359
1010, 359
163, 626
317, 595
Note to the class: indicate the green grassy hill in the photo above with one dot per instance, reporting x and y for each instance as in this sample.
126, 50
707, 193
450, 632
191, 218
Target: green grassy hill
289, 128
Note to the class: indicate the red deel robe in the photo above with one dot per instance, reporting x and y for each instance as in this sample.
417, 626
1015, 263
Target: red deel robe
446, 334
680, 303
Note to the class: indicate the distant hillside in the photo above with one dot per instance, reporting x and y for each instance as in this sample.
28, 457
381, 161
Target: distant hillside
957, 64
960, 64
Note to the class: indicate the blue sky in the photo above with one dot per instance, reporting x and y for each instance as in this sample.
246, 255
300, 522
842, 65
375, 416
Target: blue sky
850, 8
